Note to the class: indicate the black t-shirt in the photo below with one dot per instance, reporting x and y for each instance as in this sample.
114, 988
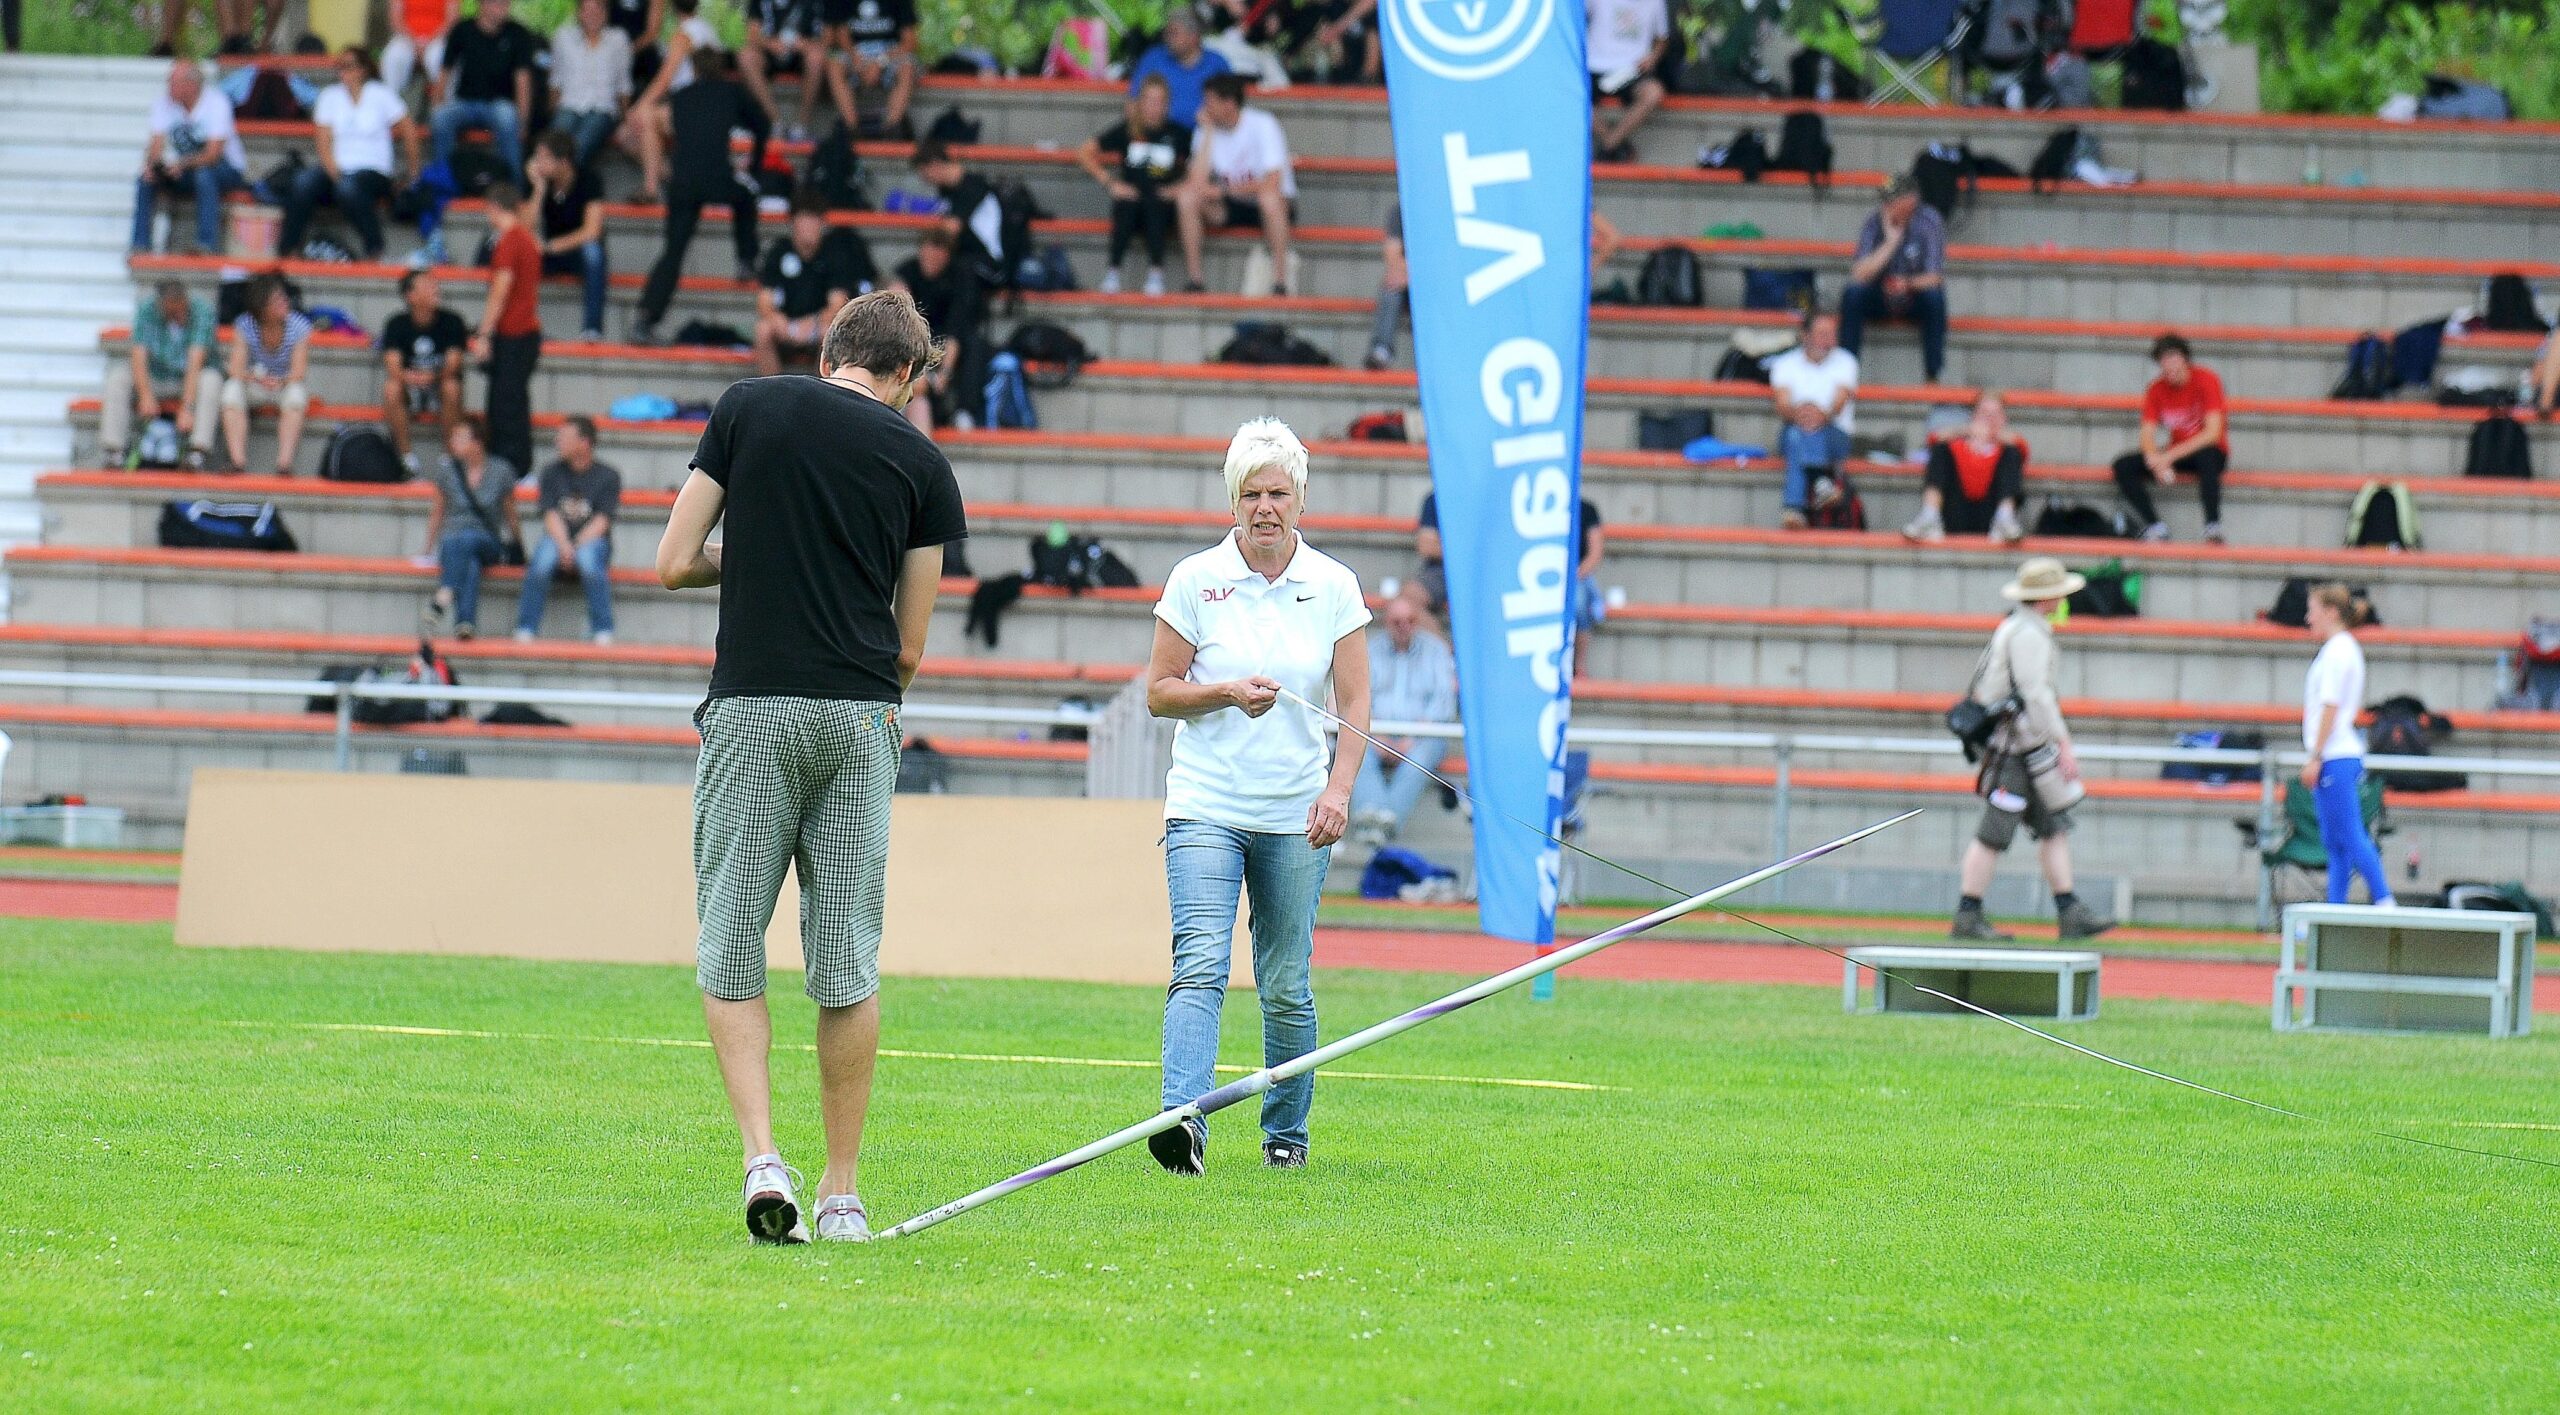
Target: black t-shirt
703, 113
975, 206
1429, 520
564, 209
880, 21
484, 65
828, 489
1148, 160
800, 286
632, 18
424, 348
949, 304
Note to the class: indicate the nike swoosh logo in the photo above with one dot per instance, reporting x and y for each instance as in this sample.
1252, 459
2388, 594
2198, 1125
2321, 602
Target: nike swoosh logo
1304, 598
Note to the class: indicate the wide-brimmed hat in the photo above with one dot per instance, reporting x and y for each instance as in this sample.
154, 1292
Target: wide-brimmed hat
2041, 579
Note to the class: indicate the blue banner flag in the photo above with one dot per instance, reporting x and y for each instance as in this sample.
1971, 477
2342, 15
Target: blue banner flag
1492, 113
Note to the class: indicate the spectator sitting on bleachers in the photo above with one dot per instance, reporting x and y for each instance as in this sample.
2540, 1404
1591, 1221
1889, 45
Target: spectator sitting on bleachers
1976, 480
782, 38
952, 309
976, 214
577, 499
590, 79
168, 373
1899, 272
1185, 67
1413, 677
806, 277
880, 39
353, 124
270, 359
417, 41
473, 523
194, 151
2546, 375
1430, 569
1815, 388
1326, 41
1149, 154
701, 116
422, 349
1395, 299
640, 21
1625, 41
1590, 600
571, 201
486, 82
651, 122
2184, 429
1240, 176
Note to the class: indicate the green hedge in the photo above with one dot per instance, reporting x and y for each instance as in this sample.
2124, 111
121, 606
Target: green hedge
2347, 56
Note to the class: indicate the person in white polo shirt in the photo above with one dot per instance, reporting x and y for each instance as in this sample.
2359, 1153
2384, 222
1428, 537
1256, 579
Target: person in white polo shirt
1815, 388
1240, 176
1254, 800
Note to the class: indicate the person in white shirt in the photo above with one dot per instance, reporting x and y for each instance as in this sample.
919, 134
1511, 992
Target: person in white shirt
353, 123
194, 151
1815, 388
590, 79
1624, 42
1413, 677
2332, 695
1254, 801
1240, 176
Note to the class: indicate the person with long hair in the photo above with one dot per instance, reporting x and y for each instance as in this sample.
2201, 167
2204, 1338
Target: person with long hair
2332, 694
1253, 802
353, 125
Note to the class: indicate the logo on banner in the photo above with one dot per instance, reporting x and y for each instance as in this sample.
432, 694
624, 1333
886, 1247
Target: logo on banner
1468, 39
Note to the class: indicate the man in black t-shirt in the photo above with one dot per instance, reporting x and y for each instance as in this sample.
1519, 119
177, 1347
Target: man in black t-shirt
837, 512
570, 199
880, 39
422, 348
700, 117
1138, 163
806, 277
486, 82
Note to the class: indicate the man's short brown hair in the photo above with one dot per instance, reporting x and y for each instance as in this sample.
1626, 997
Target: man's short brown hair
880, 333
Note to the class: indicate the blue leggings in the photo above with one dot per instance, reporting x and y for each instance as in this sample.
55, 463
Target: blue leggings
2351, 851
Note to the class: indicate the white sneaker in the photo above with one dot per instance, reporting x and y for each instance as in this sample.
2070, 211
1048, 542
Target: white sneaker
2005, 529
1155, 281
773, 1211
2213, 533
603, 638
1925, 528
841, 1220
524, 636
1111, 281
2157, 530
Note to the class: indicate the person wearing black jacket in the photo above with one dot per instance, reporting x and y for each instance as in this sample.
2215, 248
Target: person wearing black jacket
702, 114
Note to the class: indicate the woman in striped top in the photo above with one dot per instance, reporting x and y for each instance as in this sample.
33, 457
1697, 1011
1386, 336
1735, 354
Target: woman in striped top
270, 358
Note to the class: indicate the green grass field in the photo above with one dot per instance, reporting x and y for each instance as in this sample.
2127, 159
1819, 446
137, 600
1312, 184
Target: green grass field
207, 1205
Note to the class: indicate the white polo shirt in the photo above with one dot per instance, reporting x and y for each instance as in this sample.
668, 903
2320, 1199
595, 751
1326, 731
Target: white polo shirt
1818, 383
2336, 680
1256, 773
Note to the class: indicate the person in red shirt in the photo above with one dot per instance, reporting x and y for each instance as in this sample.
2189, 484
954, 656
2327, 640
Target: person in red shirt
2184, 429
508, 341
1975, 481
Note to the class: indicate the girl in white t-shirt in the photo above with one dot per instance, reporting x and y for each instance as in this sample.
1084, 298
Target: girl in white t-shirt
354, 124
1254, 800
2332, 695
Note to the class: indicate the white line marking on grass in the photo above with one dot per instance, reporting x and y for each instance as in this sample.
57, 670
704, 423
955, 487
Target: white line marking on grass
1116, 1063
2495, 1124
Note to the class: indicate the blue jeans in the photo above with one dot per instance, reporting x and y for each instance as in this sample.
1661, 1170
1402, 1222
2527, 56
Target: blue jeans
588, 264
2350, 850
1204, 868
1803, 451
595, 576
588, 130
498, 115
1394, 787
1925, 308
460, 557
208, 184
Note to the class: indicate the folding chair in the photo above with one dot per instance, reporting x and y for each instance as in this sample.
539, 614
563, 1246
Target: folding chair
1917, 36
2295, 861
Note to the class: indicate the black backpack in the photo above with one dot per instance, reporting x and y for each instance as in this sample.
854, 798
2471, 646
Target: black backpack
1746, 154
2086, 522
1671, 277
2292, 608
2368, 375
2402, 727
1672, 429
1939, 171
2383, 514
2508, 305
2112, 592
2053, 161
1258, 342
1077, 564
362, 452
953, 127
835, 173
2498, 448
1831, 503
923, 770
202, 524
1051, 354
1804, 145
2154, 77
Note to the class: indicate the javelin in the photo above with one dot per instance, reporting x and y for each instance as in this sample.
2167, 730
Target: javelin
1270, 1076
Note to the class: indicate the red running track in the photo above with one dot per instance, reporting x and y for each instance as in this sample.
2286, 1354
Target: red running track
1409, 951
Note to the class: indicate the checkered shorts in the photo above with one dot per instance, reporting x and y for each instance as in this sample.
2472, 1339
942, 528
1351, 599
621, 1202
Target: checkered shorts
799, 782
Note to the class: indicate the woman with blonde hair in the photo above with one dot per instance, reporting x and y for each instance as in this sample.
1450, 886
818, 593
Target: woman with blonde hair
2333, 771
1254, 800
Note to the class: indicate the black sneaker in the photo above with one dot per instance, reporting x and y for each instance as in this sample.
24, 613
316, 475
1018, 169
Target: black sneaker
1184, 1149
1971, 925
2080, 921
1280, 1154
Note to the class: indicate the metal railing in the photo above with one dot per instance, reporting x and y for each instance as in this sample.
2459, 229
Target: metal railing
1782, 747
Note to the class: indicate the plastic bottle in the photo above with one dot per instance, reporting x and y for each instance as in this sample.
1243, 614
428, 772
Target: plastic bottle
2311, 173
